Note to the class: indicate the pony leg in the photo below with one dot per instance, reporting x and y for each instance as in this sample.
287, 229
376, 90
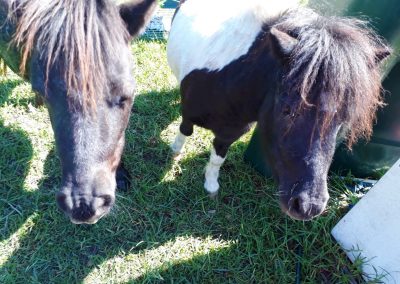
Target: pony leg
185, 130
217, 158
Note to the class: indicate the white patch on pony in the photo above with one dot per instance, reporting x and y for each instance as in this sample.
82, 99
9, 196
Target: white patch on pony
209, 34
212, 173
178, 143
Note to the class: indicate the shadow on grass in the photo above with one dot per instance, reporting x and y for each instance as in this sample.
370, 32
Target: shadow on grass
165, 202
191, 271
15, 154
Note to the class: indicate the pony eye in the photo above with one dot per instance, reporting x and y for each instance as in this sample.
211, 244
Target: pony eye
107, 200
118, 101
122, 100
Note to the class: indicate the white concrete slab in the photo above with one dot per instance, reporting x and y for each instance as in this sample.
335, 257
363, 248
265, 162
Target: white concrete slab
371, 229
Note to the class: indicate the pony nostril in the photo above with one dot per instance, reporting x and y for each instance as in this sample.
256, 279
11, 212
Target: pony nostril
295, 205
108, 200
61, 201
83, 212
302, 208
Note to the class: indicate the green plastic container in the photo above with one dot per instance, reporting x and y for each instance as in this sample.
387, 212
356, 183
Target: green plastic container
170, 4
373, 158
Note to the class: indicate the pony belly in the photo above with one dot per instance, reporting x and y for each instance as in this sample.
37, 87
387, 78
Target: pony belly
208, 34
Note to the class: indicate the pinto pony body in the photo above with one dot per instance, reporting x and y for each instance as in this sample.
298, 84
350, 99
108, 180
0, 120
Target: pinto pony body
76, 55
306, 79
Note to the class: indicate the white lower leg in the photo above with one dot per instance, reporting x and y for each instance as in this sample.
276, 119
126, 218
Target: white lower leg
212, 173
178, 143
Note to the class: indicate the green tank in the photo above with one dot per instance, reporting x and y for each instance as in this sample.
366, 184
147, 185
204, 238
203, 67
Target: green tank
370, 159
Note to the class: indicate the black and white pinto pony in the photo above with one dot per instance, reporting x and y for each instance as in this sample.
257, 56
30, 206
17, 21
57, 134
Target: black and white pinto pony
309, 81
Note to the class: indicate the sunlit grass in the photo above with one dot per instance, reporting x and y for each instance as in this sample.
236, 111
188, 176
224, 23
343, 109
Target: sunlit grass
9, 246
165, 228
155, 260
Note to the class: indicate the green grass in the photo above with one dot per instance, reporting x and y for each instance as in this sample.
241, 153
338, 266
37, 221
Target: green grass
165, 228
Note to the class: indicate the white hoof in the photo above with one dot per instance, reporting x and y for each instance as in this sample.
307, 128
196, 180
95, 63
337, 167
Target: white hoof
212, 172
178, 144
176, 151
212, 187
177, 156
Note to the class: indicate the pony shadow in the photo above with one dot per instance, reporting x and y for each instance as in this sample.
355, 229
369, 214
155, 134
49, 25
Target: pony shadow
184, 273
16, 152
229, 218
17, 205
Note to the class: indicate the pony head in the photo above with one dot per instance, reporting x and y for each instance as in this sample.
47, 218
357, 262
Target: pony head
330, 91
76, 55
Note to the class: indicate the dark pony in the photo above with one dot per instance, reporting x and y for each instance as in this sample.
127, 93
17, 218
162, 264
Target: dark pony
76, 55
310, 81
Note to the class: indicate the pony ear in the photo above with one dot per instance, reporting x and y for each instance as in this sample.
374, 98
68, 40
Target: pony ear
136, 14
282, 44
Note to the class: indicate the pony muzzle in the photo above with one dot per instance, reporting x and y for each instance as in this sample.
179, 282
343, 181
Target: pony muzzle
303, 205
85, 209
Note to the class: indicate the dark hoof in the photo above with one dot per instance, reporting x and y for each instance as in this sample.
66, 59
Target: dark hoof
123, 179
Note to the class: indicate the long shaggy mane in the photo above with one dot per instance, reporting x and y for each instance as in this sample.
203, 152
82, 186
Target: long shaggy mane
337, 62
81, 33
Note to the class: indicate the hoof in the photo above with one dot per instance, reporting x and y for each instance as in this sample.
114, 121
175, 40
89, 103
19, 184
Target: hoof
176, 149
176, 155
213, 195
123, 179
212, 188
